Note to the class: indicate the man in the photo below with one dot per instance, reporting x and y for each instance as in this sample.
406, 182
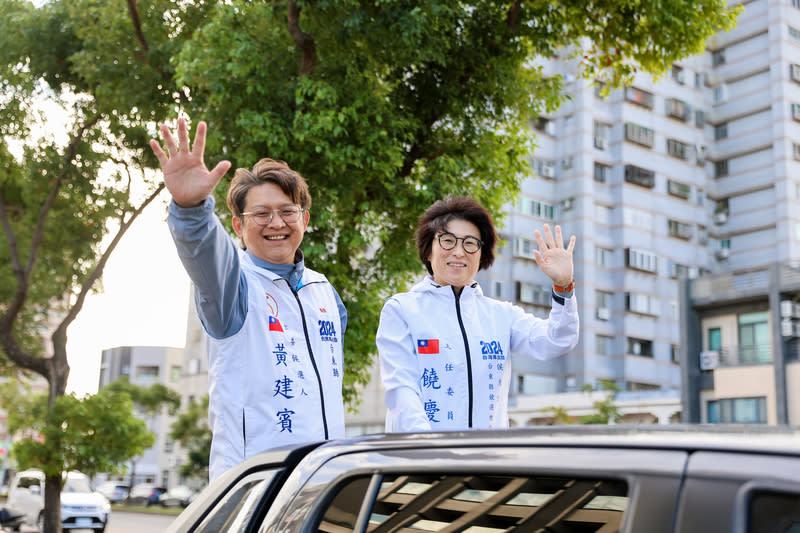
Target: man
275, 328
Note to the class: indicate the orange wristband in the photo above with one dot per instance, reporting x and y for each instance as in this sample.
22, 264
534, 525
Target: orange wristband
568, 288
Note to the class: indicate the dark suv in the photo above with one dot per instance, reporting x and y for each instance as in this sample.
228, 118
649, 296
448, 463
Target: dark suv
548, 479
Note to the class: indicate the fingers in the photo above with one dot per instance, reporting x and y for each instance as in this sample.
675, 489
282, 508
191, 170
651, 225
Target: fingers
571, 245
550, 241
199, 140
218, 171
559, 238
159, 153
183, 136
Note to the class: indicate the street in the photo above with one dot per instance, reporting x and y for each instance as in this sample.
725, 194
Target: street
127, 522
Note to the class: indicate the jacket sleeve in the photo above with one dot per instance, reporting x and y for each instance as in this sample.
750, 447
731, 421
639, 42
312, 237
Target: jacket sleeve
400, 372
211, 259
546, 339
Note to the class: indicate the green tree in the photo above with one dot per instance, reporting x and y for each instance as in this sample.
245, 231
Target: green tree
191, 430
94, 434
149, 402
606, 412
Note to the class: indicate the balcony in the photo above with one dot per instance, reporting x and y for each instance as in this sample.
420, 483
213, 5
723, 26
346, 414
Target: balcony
740, 355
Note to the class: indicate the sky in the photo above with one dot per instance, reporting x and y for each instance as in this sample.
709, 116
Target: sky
144, 302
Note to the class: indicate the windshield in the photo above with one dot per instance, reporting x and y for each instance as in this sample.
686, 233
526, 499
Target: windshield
79, 484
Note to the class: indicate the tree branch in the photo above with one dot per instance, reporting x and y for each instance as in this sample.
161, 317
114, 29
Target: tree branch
302, 39
513, 14
137, 24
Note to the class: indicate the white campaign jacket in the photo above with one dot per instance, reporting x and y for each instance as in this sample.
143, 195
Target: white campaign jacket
278, 380
445, 362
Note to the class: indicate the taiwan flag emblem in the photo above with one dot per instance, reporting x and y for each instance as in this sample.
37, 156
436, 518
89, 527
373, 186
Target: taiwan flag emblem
274, 324
428, 346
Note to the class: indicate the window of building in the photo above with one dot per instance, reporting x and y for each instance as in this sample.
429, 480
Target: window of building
638, 96
641, 303
717, 57
599, 89
674, 353
738, 411
604, 344
720, 131
529, 206
719, 93
602, 213
603, 256
640, 347
545, 125
602, 301
678, 74
721, 168
700, 118
678, 149
542, 168
677, 108
754, 338
175, 373
497, 289
524, 247
640, 176
639, 134
641, 260
698, 80
795, 3
567, 163
680, 230
533, 294
634, 386
715, 339
602, 172
681, 190
146, 373
794, 33
602, 133
193, 367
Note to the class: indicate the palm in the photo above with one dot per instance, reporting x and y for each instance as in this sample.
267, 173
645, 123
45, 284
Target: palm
185, 174
553, 259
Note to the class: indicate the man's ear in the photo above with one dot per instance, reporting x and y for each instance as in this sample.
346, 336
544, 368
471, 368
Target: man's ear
306, 218
236, 222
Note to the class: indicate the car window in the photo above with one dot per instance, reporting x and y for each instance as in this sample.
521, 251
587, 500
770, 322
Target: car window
774, 512
236, 508
27, 482
484, 503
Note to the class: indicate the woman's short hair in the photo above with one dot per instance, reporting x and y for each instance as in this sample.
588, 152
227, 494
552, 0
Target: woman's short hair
434, 220
267, 171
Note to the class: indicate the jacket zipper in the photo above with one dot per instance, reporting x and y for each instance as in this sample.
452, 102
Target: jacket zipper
466, 350
313, 362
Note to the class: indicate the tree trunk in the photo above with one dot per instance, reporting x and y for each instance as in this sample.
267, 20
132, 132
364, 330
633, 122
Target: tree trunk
52, 504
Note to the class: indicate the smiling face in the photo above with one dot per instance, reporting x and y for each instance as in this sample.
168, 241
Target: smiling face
455, 267
278, 241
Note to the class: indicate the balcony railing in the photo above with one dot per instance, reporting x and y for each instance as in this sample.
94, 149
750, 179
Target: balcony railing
744, 355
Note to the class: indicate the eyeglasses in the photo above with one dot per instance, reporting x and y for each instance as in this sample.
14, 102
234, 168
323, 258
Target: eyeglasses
289, 214
448, 241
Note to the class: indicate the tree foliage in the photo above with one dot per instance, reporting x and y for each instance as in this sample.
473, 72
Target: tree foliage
93, 434
191, 430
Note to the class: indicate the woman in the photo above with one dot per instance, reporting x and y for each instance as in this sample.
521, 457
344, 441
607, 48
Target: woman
444, 347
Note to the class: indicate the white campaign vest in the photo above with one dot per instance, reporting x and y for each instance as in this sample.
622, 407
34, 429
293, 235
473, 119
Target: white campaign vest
459, 360
278, 380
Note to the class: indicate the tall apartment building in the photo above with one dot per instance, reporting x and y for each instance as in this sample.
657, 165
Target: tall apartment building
695, 175
145, 366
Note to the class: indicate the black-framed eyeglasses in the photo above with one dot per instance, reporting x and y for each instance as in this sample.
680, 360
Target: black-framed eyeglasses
289, 214
448, 241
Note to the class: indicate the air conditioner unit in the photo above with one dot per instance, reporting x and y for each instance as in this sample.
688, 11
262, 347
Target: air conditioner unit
787, 308
548, 171
566, 204
680, 77
709, 360
722, 254
720, 218
603, 313
789, 328
794, 72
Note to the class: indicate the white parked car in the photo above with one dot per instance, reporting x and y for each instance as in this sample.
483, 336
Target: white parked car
81, 507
